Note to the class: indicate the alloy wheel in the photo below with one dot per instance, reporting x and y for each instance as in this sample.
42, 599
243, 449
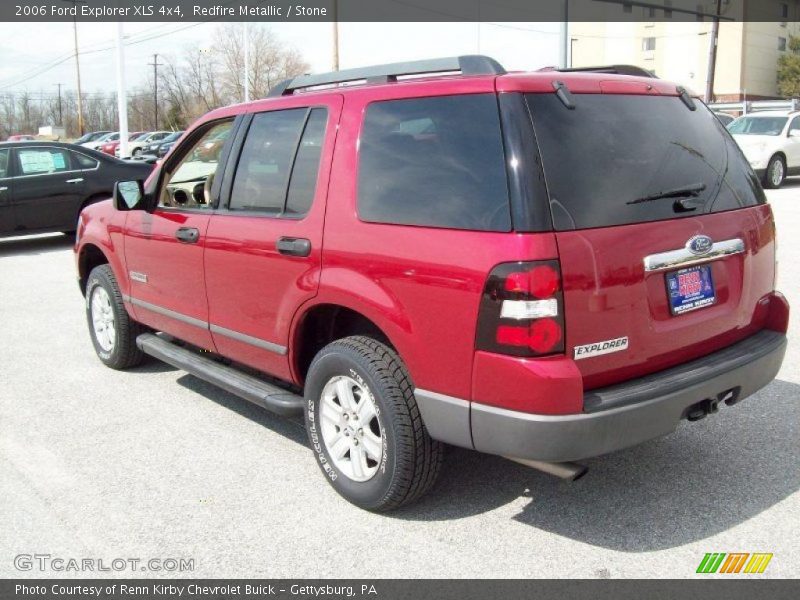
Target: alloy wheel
103, 319
350, 428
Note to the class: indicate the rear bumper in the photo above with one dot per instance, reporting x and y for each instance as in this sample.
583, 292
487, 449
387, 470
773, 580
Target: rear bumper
615, 417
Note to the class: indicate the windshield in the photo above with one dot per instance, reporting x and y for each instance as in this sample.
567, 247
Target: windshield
173, 136
758, 125
619, 159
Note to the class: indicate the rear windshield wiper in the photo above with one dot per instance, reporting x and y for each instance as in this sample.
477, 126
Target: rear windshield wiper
689, 191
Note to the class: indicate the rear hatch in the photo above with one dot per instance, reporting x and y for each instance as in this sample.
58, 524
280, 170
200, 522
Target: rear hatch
663, 231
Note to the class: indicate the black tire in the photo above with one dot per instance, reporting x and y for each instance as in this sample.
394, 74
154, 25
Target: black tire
411, 460
124, 353
770, 181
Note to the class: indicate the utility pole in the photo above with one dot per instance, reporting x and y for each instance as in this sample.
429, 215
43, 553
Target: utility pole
77, 61
712, 54
246, 62
155, 64
122, 96
335, 35
565, 39
60, 114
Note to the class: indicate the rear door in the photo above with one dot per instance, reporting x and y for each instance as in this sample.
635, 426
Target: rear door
663, 233
264, 248
164, 249
48, 188
6, 210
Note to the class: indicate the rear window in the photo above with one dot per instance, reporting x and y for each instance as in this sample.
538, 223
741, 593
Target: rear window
758, 125
436, 162
620, 159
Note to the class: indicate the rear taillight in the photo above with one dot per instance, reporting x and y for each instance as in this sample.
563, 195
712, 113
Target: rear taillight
522, 310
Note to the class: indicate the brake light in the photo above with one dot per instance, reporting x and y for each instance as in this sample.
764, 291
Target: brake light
522, 310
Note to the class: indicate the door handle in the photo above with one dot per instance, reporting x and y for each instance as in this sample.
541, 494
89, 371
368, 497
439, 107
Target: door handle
293, 246
188, 235
76, 180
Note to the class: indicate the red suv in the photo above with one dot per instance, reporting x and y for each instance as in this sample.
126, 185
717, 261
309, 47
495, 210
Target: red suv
545, 266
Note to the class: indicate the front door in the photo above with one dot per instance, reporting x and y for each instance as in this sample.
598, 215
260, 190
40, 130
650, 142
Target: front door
164, 249
793, 147
263, 256
48, 189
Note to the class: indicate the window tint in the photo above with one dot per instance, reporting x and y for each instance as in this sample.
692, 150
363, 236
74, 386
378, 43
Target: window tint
83, 161
434, 161
306, 165
4, 162
613, 150
39, 161
266, 160
188, 183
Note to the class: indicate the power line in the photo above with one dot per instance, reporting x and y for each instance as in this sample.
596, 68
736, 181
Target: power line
13, 81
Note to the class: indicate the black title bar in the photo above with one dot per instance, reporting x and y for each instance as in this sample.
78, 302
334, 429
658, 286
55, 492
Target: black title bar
743, 588
396, 10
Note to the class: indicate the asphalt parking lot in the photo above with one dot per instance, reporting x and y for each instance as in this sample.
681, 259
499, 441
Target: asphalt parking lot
154, 463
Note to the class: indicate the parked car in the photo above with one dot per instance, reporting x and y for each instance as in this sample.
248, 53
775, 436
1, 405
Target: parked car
159, 148
137, 147
90, 137
210, 150
97, 143
771, 142
21, 137
725, 118
112, 148
44, 185
544, 266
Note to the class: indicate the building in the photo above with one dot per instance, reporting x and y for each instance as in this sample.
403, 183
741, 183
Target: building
676, 45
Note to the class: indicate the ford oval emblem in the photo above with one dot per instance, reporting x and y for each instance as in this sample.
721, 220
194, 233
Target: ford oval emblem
700, 244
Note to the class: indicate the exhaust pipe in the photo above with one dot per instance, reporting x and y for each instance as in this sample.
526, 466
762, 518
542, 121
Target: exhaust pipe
568, 471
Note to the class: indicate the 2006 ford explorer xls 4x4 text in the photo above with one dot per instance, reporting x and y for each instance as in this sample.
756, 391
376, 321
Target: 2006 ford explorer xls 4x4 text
545, 266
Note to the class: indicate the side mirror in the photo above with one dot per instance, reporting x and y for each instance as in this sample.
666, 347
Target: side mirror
129, 195
794, 133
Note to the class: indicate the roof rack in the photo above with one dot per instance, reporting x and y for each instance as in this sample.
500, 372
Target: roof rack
467, 65
610, 69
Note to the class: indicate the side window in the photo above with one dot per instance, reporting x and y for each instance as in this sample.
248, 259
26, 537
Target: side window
795, 124
303, 184
83, 161
435, 162
188, 184
41, 161
3, 163
266, 160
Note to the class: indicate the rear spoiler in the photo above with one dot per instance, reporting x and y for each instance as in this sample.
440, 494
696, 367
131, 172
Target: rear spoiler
632, 70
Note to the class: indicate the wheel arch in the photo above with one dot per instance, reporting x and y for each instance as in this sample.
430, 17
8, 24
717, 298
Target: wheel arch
323, 322
780, 153
89, 256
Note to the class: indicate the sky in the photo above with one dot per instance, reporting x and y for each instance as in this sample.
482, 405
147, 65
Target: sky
32, 51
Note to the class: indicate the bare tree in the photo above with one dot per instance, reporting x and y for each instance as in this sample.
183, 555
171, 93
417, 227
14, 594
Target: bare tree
270, 60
